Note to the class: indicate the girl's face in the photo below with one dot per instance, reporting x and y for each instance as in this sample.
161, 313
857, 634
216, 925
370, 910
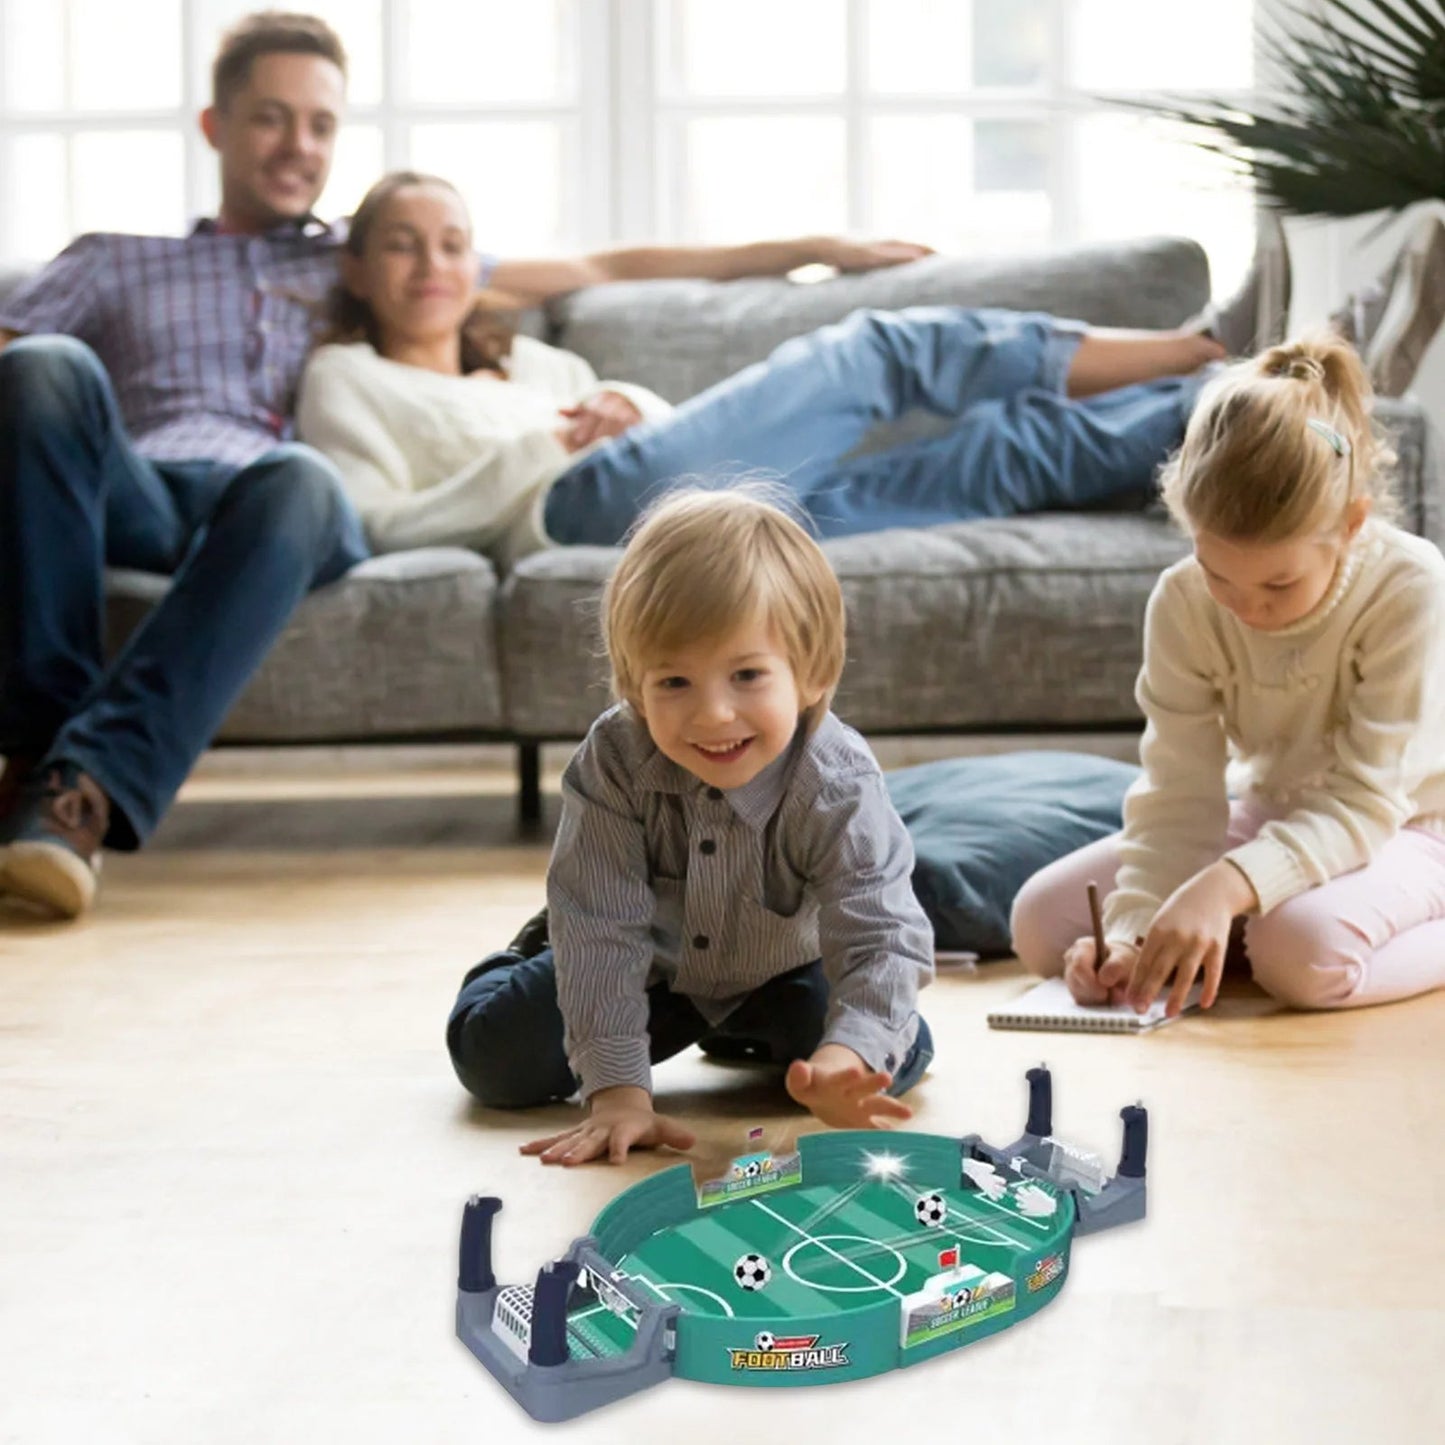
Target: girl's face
1270, 585
417, 271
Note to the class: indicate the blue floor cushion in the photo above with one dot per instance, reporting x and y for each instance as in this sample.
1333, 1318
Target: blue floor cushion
981, 827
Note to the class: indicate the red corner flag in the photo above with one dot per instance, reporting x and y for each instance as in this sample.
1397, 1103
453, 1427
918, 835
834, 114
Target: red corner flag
948, 1258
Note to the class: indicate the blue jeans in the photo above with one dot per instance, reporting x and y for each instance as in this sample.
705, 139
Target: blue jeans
244, 546
505, 1031
1017, 443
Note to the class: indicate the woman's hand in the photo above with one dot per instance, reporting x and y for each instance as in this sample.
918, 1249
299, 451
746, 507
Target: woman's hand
1094, 984
848, 255
617, 1120
1189, 933
608, 414
837, 1087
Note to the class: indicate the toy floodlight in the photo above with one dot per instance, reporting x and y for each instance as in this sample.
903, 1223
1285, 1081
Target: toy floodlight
834, 1261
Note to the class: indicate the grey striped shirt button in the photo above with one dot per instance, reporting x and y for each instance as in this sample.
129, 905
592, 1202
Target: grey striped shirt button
812, 863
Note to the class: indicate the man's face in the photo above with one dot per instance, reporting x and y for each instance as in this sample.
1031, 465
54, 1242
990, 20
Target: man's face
275, 139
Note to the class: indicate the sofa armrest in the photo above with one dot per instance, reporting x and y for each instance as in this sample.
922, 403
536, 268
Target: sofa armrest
1419, 473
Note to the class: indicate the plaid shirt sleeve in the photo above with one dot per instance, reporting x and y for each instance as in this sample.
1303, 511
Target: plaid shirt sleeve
63, 297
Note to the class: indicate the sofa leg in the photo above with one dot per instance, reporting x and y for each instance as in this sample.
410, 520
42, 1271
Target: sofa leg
529, 783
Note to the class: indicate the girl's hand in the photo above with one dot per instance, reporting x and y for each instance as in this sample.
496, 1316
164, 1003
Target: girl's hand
1189, 933
1097, 985
618, 1119
838, 1088
608, 414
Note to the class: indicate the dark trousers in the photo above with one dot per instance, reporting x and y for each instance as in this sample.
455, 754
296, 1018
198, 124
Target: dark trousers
505, 1031
243, 545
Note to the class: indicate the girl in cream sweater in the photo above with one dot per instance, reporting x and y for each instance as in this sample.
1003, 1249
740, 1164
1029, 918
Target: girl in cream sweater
1293, 689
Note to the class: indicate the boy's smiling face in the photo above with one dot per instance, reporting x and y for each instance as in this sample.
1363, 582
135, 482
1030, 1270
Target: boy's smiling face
725, 709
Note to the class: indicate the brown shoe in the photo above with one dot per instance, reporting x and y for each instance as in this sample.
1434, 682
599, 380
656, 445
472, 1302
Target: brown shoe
50, 843
533, 937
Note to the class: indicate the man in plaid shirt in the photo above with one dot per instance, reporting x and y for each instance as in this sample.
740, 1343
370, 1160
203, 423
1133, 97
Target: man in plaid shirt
146, 388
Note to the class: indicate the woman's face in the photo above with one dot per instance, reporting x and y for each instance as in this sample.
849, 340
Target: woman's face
417, 271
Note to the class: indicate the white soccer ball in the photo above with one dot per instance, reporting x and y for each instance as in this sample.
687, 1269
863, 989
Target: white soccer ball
764, 1340
931, 1210
752, 1169
752, 1271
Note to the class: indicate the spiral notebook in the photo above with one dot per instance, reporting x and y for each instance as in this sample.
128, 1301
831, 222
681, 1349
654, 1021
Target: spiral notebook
1049, 1005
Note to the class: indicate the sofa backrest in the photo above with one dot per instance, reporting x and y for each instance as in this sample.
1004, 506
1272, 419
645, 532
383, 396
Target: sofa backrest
678, 337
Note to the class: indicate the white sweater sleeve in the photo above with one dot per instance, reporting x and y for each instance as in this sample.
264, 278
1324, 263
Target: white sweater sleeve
1391, 740
1176, 815
352, 412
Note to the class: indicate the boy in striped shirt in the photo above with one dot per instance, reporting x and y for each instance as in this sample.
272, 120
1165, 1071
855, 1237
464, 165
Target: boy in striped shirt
728, 868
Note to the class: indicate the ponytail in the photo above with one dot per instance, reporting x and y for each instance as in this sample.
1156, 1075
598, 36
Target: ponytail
1279, 446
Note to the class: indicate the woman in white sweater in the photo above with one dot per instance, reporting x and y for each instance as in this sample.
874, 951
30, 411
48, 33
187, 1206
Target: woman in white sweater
1293, 689
446, 429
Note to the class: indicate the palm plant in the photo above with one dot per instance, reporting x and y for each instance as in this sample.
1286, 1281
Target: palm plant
1356, 119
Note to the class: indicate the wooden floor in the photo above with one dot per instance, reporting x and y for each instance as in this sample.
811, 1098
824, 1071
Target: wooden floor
233, 1156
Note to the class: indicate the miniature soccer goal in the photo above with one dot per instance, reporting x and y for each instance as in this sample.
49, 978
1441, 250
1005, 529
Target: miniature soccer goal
512, 1319
613, 1298
1069, 1164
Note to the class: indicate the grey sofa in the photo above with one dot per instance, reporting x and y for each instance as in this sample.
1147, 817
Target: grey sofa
1026, 624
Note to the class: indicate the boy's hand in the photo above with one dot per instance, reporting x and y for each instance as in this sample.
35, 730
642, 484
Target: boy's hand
1190, 932
1096, 986
618, 1119
836, 1086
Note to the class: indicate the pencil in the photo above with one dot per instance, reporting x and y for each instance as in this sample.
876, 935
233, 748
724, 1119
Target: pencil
1101, 949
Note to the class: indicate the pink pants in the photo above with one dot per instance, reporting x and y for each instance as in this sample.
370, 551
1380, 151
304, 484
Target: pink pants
1370, 936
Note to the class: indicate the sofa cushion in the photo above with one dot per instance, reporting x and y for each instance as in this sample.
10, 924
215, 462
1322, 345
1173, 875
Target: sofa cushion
679, 337
1033, 621
402, 646
982, 827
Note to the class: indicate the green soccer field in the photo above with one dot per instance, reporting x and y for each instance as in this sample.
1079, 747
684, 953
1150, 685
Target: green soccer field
829, 1249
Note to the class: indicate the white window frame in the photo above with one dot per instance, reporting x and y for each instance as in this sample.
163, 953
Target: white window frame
649, 121
622, 132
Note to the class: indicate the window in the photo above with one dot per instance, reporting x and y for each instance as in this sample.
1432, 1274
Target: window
98, 105
976, 125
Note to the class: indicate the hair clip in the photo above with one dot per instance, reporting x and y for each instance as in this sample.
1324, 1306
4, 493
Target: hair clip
1338, 444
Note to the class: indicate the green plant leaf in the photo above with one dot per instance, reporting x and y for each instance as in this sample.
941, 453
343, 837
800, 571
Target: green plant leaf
1357, 121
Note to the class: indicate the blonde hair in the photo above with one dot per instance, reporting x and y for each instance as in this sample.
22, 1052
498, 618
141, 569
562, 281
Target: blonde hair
702, 563
1279, 446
